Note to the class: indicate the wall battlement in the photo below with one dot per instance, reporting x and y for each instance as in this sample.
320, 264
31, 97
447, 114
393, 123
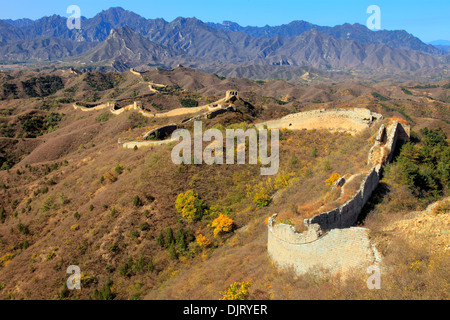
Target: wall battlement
330, 240
232, 95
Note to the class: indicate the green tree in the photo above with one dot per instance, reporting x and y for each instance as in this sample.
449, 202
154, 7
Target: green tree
172, 252
168, 239
126, 268
105, 292
160, 239
137, 202
150, 266
2, 215
180, 239
139, 266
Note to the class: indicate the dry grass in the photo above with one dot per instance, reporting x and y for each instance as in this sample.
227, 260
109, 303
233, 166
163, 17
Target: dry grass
103, 242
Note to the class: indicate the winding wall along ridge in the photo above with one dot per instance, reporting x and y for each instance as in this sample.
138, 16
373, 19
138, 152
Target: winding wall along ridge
330, 240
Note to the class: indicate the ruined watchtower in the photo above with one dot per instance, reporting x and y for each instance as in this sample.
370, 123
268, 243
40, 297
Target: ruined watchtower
232, 95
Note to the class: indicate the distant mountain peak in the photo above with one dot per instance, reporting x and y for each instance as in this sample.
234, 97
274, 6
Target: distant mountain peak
183, 20
124, 36
115, 10
116, 15
121, 32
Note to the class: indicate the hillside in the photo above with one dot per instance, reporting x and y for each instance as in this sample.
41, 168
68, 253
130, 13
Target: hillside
71, 195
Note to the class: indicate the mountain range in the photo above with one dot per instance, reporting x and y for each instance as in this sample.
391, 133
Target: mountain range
122, 39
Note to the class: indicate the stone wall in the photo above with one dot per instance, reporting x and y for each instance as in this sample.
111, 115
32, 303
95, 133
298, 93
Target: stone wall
352, 121
139, 144
330, 241
137, 105
99, 107
347, 214
162, 131
338, 250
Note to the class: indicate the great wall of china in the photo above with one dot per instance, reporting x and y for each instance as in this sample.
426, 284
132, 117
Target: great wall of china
351, 121
210, 110
330, 241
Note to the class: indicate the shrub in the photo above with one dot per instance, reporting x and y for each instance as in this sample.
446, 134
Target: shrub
47, 205
189, 103
2, 215
261, 199
63, 200
110, 177
114, 247
105, 292
144, 226
442, 208
293, 161
77, 216
237, 291
327, 165
139, 266
202, 241
332, 179
103, 117
150, 266
119, 169
126, 267
172, 252
222, 224
135, 234
137, 202
23, 229
25, 244
75, 227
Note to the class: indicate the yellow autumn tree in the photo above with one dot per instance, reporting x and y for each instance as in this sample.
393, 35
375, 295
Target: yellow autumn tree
202, 241
222, 224
332, 179
191, 207
237, 291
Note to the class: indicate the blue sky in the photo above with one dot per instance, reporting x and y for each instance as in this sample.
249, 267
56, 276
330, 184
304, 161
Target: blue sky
428, 20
